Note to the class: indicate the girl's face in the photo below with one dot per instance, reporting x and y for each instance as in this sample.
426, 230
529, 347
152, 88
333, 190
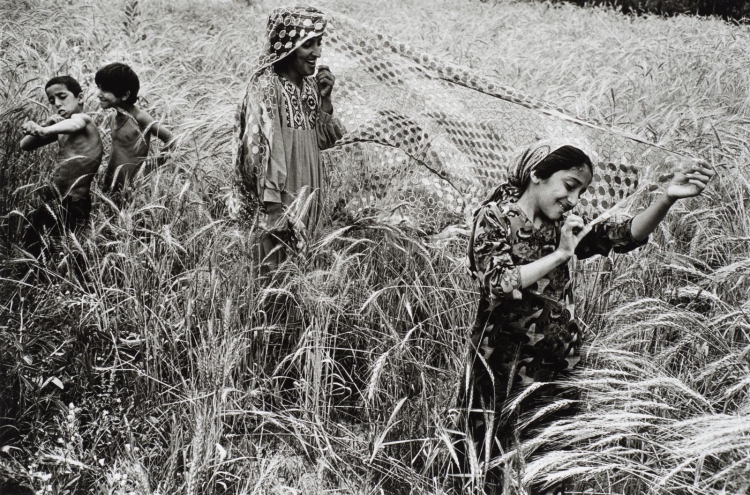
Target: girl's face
303, 59
560, 193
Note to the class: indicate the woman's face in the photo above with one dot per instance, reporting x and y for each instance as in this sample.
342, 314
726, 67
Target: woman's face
559, 193
303, 59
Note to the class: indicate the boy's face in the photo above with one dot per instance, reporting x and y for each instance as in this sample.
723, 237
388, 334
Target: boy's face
63, 100
107, 99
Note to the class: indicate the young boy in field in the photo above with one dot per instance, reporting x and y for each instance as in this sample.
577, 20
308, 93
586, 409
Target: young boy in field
68, 203
131, 128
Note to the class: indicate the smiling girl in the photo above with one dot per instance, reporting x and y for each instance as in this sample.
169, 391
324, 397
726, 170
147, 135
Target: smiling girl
526, 329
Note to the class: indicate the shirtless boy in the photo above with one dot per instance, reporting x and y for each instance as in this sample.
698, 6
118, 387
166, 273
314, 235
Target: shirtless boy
78, 159
130, 126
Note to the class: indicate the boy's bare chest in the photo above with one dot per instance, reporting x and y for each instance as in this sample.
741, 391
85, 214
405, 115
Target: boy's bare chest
127, 132
86, 142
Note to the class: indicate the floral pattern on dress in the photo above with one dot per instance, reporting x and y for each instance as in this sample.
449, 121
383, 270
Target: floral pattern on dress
530, 334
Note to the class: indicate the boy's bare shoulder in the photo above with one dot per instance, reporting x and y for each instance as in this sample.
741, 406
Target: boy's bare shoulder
83, 116
142, 117
84, 120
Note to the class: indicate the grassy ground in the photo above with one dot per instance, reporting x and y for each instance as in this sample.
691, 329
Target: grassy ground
173, 371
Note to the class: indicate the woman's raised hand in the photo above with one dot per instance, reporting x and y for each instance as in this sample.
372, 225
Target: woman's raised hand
690, 179
325, 80
573, 230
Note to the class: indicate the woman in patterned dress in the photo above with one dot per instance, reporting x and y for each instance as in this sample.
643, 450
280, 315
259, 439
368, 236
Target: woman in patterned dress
284, 121
526, 329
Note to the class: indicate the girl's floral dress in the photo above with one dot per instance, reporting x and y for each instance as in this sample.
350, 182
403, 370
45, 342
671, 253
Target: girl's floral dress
522, 336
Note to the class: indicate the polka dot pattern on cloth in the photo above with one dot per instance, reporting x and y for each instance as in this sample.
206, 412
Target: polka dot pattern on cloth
427, 139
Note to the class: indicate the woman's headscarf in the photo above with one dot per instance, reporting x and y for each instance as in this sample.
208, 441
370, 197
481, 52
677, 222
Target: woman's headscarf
520, 172
287, 29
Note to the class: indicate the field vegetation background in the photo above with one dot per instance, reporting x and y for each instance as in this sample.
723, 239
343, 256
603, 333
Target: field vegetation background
172, 369
737, 11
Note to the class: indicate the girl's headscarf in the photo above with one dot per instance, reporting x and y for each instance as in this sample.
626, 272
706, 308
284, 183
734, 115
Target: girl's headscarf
520, 172
287, 29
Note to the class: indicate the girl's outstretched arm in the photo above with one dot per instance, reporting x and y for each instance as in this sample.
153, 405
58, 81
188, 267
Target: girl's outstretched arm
690, 180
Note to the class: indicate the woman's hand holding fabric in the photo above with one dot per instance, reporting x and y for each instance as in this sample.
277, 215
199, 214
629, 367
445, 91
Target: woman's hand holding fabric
325, 80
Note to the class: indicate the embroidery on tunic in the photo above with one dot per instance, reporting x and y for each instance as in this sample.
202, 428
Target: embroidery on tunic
301, 110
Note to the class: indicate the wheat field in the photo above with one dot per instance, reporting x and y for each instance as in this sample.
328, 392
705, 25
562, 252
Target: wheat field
173, 369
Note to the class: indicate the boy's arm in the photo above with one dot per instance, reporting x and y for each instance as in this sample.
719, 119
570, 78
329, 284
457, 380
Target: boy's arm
145, 121
36, 135
77, 122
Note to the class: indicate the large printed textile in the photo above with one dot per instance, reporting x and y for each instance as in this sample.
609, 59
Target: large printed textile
428, 140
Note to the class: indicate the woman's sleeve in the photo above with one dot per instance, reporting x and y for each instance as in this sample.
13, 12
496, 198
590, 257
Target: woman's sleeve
490, 254
276, 171
329, 128
611, 235
248, 156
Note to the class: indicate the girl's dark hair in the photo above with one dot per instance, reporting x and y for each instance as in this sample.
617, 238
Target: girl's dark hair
563, 158
66, 81
118, 79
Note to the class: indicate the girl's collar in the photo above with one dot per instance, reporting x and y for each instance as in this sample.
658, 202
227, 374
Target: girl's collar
513, 205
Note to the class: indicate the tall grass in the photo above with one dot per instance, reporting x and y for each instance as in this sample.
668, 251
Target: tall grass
173, 368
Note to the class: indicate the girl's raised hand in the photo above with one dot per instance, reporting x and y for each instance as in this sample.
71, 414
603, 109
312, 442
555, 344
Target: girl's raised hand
573, 230
690, 179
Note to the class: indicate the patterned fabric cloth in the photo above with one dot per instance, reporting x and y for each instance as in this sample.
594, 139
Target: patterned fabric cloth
301, 107
289, 27
427, 140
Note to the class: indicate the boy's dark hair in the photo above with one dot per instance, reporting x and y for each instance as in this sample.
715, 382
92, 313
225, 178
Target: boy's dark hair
118, 79
68, 82
563, 158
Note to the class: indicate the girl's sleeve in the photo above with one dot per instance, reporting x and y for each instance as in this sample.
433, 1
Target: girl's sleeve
612, 235
490, 254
